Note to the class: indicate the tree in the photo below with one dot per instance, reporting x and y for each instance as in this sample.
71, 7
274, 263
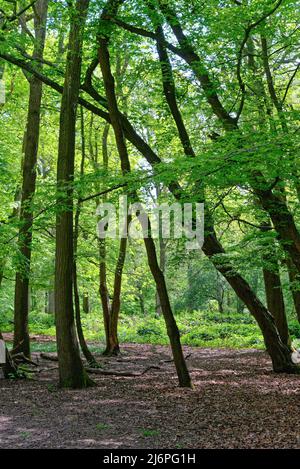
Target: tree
71, 371
31, 142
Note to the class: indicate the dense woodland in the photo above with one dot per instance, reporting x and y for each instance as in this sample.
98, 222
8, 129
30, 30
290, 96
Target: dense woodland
162, 101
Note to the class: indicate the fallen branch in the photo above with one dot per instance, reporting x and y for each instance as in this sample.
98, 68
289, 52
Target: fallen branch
120, 373
171, 360
46, 356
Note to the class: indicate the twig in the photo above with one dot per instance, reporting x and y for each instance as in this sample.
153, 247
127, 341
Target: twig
119, 373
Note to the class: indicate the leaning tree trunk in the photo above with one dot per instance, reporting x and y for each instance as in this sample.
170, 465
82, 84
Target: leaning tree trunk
21, 309
279, 352
71, 371
172, 329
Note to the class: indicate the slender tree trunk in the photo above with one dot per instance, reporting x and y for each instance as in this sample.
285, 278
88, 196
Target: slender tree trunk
51, 302
104, 291
172, 329
110, 310
113, 344
294, 279
275, 301
85, 350
239, 305
162, 253
21, 309
280, 354
85, 303
71, 371
273, 288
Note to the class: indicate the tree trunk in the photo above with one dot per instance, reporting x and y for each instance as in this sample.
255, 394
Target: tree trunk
85, 303
294, 279
113, 341
51, 302
162, 255
71, 371
85, 350
110, 310
21, 309
273, 288
275, 301
172, 329
280, 354
239, 305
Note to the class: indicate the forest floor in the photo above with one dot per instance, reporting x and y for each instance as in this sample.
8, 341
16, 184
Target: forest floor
237, 402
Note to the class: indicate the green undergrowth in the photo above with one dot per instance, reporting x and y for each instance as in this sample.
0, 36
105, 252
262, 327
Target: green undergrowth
197, 328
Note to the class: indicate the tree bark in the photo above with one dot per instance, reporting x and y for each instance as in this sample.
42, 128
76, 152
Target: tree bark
84, 347
21, 307
275, 301
85, 303
71, 371
172, 329
294, 279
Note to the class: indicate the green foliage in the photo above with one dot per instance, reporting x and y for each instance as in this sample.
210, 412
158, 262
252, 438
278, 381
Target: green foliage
197, 328
294, 328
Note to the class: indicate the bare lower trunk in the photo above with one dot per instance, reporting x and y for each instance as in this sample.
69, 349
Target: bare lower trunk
172, 329
275, 302
280, 354
82, 342
21, 307
113, 347
71, 371
294, 279
85, 303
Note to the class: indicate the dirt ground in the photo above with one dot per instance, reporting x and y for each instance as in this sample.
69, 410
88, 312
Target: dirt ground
237, 402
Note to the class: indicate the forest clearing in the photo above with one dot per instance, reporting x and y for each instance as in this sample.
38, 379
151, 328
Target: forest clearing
149, 224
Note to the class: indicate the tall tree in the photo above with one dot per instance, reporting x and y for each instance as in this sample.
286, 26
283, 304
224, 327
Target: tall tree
71, 371
109, 84
31, 143
83, 345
